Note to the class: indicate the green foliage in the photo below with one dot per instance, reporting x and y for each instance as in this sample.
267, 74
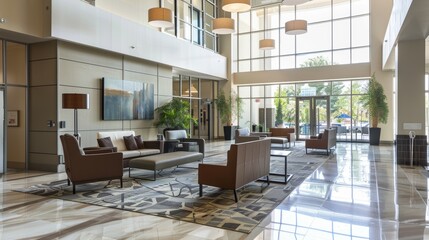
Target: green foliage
375, 102
315, 62
175, 114
279, 113
230, 108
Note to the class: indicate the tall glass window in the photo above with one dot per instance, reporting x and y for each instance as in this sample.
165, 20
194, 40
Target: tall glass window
194, 22
274, 105
338, 33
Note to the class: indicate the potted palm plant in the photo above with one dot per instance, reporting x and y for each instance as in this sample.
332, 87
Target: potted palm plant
175, 115
375, 102
229, 109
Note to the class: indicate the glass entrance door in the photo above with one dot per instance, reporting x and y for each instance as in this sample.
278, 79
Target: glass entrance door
312, 116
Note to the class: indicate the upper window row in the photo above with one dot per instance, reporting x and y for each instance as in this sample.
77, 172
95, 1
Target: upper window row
314, 11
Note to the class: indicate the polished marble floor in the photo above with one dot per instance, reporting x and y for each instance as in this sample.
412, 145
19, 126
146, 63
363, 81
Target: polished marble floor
359, 194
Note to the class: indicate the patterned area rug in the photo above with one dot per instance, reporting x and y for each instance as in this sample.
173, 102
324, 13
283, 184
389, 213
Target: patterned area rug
175, 193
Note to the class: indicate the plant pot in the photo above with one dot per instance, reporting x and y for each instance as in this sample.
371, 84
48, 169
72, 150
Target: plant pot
374, 136
261, 128
229, 132
254, 128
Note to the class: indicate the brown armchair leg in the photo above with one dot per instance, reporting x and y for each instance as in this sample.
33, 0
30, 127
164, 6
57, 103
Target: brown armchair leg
68, 182
201, 190
235, 195
121, 183
74, 188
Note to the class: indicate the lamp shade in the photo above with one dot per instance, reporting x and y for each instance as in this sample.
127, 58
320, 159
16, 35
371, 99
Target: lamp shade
267, 44
76, 100
294, 2
236, 5
160, 17
296, 27
223, 25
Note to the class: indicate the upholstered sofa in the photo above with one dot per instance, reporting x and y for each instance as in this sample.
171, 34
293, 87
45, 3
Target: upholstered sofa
246, 162
117, 138
288, 133
325, 141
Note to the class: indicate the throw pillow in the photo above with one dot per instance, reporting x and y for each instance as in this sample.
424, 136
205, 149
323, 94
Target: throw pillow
139, 141
320, 136
105, 142
130, 143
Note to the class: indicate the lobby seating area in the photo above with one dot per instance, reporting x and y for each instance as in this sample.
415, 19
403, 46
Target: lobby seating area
344, 175
120, 141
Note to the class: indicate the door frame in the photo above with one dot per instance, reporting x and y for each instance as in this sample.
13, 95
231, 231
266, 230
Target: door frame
313, 113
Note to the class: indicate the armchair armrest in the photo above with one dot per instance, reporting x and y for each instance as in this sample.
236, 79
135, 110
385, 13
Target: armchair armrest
201, 143
95, 150
216, 175
154, 145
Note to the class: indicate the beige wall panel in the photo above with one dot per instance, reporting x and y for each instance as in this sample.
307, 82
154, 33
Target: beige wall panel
43, 72
43, 107
84, 75
43, 162
43, 142
89, 55
28, 17
147, 133
16, 64
165, 86
89, 138
16, 137
144, 78
165, 71
162, 100
142, 124
360, 70
43, 50
139, 65
88, 119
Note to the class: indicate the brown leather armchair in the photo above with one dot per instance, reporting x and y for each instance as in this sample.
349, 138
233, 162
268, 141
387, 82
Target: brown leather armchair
85, 168
325, 140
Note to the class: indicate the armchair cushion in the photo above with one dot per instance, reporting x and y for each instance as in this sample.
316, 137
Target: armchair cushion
105, 142
130, 142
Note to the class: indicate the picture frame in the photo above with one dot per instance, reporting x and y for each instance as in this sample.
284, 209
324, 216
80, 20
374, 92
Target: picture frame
13, 118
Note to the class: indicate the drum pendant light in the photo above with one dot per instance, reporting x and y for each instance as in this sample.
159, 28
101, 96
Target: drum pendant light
236, 5
223, 26
160, 17
296, 27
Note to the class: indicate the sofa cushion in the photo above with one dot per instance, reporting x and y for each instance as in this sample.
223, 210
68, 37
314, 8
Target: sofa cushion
320, 136
117, 138
146, 152
130, 154
130, 142
139, 141
105, 142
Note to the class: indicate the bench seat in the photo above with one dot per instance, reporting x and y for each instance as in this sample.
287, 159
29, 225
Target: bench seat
164, 160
